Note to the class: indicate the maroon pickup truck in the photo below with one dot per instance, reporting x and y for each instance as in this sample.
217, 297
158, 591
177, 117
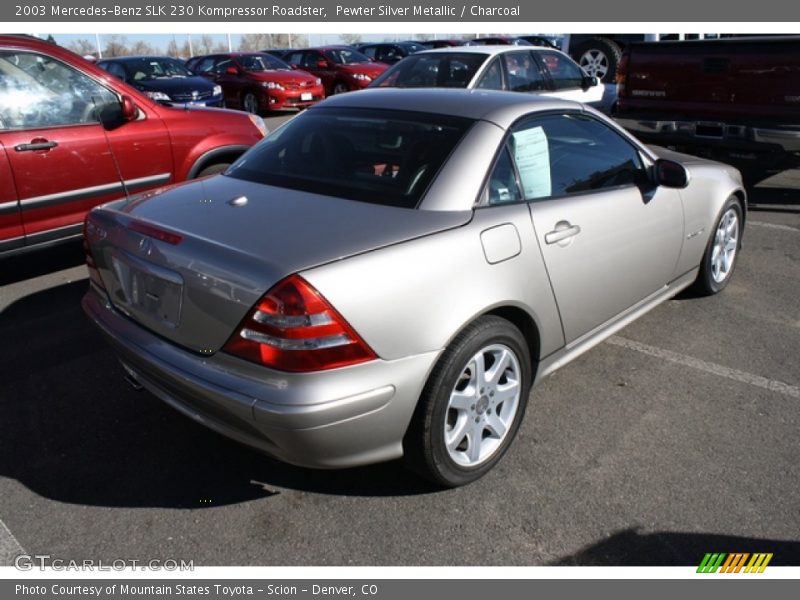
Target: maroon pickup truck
735, 100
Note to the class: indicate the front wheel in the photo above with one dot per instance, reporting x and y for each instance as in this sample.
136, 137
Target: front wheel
250, 103
722, 251
340, 88
473, 404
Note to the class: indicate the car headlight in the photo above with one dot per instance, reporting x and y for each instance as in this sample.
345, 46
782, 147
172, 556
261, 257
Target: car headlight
272, 85
319, 81
362, 77
259, 123
217, 90
158, 96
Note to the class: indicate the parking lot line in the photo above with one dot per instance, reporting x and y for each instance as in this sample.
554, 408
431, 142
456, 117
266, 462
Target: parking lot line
772, 385
773, 226
10, 548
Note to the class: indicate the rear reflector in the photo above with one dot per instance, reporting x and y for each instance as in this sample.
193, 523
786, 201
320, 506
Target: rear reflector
293, 328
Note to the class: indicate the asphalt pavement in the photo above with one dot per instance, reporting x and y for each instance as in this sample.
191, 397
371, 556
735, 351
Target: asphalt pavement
675, 438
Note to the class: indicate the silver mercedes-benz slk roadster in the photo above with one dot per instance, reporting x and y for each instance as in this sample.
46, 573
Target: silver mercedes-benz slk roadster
389, 273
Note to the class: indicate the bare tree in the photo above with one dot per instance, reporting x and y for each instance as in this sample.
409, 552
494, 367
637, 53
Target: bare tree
219, 48
82, 47
116, 45
172, 49
422, 37
142, 48
205, 45
350, 39
252, 42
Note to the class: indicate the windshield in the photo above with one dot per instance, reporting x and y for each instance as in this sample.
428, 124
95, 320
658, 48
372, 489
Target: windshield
376, 156
262, 62
345, 56
433, 70
144, 69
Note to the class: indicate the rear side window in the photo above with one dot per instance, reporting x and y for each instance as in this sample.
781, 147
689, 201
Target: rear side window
381, 157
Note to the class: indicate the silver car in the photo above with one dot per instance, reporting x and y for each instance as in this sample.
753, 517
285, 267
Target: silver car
390, 272
529, 69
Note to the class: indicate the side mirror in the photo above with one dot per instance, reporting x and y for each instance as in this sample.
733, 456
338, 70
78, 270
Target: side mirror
671, 174
231, 71
129, 110
589, 82
114, 114
322, 64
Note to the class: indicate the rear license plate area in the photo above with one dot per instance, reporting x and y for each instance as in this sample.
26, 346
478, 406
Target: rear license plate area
306, 96
146, 291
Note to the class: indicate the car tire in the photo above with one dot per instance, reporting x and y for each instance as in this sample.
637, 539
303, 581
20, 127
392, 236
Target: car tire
250, 103
598, 57
722, 251
464, 423
212, 169
339, 88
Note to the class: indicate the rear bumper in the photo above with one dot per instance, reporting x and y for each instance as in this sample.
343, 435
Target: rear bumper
333, 419
740, 144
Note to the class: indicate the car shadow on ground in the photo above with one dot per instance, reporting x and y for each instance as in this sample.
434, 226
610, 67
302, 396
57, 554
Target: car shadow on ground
633, 549
41, 262
72, 430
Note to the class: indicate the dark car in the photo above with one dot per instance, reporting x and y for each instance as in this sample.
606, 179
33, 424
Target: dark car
499, 40
449, 43
72, 136
164, 79
390, 53
341, 68
258, 82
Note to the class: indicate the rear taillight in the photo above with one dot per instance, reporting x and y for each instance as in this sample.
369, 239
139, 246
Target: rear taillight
91, 265
293, 328
622, 75
154, 232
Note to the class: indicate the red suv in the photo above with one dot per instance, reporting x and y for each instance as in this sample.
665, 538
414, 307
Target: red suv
256, 81
341, 68
73, 136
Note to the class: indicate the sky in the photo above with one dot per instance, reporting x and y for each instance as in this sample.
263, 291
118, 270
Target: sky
161, 40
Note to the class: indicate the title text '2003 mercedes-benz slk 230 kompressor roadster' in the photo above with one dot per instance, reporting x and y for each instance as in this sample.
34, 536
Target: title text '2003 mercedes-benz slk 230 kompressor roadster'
389, 273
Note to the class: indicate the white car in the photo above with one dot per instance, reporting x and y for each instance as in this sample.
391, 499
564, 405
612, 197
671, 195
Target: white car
532, 69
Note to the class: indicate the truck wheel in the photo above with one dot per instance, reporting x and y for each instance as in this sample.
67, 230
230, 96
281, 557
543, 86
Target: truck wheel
472, 405
598, 57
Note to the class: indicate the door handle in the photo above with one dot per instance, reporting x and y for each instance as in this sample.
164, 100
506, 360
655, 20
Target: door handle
35, 145
563, 231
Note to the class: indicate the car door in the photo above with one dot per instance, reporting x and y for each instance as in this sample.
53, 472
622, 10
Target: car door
609, 237
566, 78
314, 62
12, 235
233, 84
60, 155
